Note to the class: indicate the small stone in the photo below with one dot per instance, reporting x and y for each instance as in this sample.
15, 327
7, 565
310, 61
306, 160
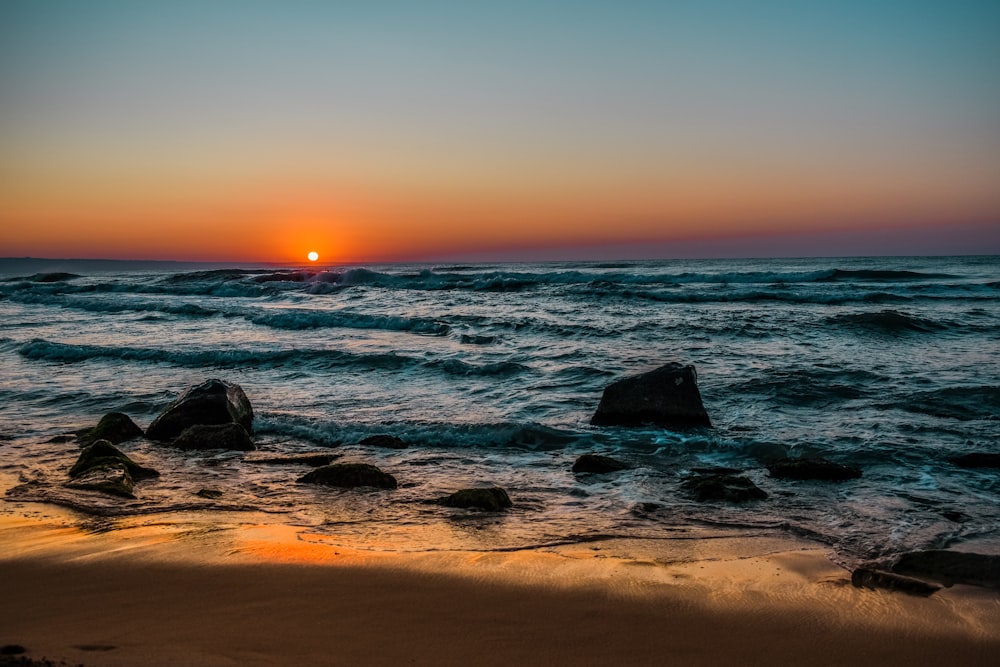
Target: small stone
350, 475
724, 487
594, 463
811, 468
492, 499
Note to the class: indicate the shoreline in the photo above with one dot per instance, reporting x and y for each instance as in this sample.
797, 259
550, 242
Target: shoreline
224, 589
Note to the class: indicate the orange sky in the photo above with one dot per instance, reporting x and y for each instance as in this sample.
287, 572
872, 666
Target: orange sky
259, 134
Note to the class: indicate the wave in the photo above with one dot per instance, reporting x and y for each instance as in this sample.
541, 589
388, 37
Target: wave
961, 403
887, 321
881, 275
314, 319
814, 387
43, 350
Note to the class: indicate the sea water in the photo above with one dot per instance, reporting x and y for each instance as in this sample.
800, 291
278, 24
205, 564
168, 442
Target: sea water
491, 373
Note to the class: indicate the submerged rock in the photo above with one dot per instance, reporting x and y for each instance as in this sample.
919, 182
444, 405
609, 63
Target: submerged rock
864, 577
103, 467
386, 441
217, 436
595, 463
212, 402
722, 486
667, 396
951, 567
350, 475
492, 499
209, 494
314, 460
811, 468
115, 427
977, 460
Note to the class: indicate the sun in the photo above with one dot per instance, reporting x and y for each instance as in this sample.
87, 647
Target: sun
313, 256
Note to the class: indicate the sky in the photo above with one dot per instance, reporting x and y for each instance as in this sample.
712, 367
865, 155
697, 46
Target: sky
398, 131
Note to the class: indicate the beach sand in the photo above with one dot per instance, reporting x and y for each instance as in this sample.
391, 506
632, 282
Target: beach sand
237, 589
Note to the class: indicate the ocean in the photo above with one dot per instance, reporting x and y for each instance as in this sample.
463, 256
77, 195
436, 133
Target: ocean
491, 373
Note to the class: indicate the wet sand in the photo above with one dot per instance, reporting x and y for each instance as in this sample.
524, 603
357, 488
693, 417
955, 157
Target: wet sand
239, 590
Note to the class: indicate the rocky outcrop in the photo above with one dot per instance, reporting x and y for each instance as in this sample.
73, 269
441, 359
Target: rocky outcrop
977, 460
115, 427
722, 486
864, 577
667, 397
811, 468
103, 467
384, 441
350, 475
492, 499
217, 436
212, 402
594, 463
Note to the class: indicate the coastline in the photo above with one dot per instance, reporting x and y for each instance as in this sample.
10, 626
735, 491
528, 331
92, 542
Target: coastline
222, 589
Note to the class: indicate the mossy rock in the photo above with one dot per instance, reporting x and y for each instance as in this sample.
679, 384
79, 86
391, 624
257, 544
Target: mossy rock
594, 463
217, 436
115, 427
104, 454
493, 499
350, 475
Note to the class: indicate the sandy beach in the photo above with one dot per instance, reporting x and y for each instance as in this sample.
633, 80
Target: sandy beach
238, 590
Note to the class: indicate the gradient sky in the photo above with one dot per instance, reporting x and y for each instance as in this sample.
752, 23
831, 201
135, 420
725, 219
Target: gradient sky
403, 130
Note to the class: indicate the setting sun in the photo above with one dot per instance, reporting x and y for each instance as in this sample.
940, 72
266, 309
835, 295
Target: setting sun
313, 256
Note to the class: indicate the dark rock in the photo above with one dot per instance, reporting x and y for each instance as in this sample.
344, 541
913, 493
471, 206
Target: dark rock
977, 460
209, 494
217, 436
667, 396
811, 468
598, 464
115, 427
102, 467
867, 578
725, 487
212, 402
314, 460
103, 453
386, 441
349, 475
493, 499
951, 567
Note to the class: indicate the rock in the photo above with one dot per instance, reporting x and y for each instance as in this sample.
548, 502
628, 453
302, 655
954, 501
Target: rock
493, 499
115, 427
951, 567
598, 464
102, 453
217, 436
212, 402
811, 468
977, 460
667, 396
386, 441
728, 487
868, 578
314, 460
209, 494
350, 475
102, 467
